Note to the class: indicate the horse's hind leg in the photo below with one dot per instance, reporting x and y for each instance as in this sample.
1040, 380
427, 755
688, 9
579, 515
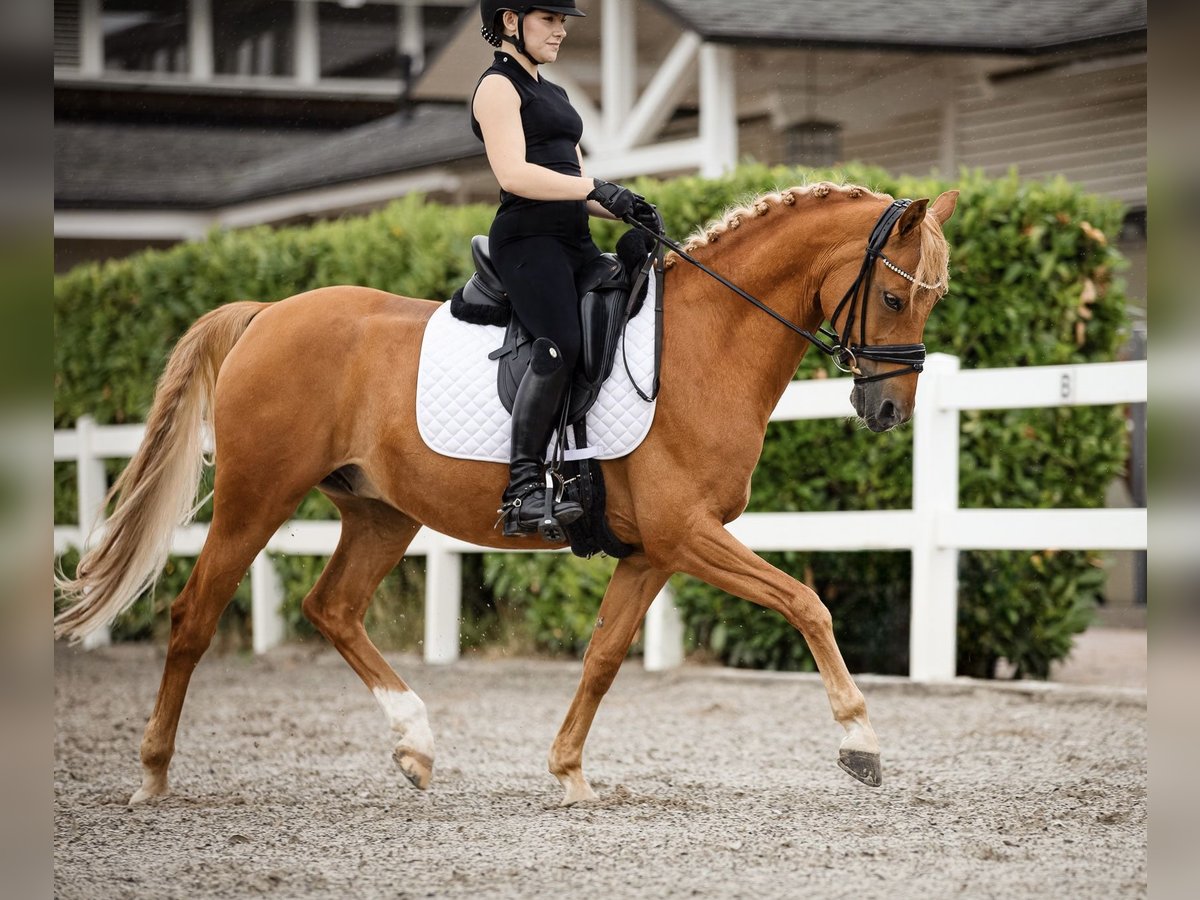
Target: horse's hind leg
630, 592
374, 538
243, 521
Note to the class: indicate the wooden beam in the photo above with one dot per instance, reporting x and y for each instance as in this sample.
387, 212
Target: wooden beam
662, 94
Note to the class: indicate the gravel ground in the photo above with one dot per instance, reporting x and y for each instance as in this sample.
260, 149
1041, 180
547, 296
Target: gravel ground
712, 784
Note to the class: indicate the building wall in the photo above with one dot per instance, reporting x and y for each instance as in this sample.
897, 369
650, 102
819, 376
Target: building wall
1088, 127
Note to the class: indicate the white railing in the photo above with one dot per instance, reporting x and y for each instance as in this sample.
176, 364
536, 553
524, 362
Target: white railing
934, 530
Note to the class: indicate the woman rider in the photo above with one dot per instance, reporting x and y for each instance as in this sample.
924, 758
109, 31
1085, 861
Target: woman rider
539, 239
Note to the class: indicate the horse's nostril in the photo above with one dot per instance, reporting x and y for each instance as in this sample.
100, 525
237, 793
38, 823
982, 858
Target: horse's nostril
887, 411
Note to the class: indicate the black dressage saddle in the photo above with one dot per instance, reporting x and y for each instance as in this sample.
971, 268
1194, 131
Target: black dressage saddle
603, 287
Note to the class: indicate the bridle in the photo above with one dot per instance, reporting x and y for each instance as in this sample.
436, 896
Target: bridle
841, 347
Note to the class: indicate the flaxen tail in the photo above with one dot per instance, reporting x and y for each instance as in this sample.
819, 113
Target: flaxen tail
157, 490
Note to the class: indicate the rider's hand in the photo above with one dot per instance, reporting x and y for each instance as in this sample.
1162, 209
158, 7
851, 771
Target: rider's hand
616, 199
646, 213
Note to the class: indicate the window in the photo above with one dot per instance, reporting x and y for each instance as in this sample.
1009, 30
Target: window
144, 35
254, 38
361, 41
66, 33
813, 143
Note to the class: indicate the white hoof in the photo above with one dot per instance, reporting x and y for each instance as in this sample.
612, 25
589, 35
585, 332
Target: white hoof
577, 790
151, 789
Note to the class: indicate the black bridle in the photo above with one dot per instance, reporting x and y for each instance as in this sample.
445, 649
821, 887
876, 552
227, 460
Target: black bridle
840, 347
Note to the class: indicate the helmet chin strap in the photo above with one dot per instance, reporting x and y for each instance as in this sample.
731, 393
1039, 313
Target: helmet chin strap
519, 43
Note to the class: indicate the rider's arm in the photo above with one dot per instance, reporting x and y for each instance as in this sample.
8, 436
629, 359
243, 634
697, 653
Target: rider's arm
593, 208
497, 108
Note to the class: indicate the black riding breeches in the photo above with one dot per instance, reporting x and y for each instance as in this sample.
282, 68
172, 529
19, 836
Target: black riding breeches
538, 272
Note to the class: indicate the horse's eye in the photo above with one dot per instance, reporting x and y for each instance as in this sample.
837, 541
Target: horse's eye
892, 301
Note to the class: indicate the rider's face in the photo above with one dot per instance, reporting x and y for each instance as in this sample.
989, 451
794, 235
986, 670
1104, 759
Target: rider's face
544, 33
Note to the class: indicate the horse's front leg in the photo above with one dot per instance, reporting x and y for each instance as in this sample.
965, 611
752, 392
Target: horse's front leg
630, 592
712, 554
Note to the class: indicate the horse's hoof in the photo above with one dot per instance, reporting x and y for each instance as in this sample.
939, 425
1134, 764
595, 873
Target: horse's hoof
577, 794
417, 767
150, 790
863, 766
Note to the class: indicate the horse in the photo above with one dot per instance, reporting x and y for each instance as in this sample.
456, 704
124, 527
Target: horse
318, 390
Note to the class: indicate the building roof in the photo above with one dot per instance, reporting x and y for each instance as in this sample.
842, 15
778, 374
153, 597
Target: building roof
426, 135
121, 165
1011, 26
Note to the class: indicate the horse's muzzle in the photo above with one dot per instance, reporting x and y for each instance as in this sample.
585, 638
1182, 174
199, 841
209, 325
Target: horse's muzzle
880, 413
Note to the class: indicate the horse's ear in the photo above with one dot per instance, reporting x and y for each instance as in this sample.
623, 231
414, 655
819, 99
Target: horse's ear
913, 216
943, 206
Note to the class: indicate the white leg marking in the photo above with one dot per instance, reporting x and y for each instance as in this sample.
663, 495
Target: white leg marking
860, 736
407, 717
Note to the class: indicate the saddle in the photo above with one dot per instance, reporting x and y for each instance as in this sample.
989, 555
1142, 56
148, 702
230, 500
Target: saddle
607, 300
603, 287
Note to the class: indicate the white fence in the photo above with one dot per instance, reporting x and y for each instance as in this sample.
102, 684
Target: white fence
934, 530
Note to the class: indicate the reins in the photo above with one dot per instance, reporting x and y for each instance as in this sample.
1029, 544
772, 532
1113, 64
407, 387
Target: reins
839, 348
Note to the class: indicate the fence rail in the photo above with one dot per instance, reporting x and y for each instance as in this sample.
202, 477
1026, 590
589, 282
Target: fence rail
934, 530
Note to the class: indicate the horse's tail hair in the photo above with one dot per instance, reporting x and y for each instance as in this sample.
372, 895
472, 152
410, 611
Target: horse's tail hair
157, 490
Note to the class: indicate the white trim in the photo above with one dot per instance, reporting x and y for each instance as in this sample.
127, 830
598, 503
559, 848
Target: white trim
200, 40
320, 200
130, 225
91, 41
653, 159
618, 63
412, 35
245, 85
307, 49
169, 225
663, 94
718, 110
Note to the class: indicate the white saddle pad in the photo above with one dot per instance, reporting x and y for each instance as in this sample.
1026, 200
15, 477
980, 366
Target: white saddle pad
459, 412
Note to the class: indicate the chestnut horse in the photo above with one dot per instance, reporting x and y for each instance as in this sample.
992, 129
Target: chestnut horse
325, 382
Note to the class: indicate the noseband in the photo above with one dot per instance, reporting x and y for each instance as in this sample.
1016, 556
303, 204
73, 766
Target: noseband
844, 351
841, 348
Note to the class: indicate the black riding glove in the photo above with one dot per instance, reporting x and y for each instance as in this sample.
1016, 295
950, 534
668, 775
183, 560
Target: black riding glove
616, 199
646, 213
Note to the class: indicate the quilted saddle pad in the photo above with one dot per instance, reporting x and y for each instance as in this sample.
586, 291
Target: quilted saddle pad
459, 412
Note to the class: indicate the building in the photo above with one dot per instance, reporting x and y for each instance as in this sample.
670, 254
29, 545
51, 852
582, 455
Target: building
176, 116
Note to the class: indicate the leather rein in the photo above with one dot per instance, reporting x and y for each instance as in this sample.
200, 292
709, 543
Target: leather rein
839, 347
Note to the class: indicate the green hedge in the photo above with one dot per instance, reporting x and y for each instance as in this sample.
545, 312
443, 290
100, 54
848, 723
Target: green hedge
1032, 284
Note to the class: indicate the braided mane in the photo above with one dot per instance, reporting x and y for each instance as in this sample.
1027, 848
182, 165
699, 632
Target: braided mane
935, 252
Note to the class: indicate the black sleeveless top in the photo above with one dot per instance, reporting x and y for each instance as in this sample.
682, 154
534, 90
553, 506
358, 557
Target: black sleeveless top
552, 130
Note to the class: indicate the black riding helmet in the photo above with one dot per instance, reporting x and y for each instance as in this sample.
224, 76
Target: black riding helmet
489, 12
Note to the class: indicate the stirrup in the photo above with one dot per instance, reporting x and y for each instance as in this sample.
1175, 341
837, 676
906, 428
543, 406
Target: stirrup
550, 526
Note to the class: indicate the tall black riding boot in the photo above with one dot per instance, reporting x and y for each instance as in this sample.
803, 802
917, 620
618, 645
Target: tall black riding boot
527, 506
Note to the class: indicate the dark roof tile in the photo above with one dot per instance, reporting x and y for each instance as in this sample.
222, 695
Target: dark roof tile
121, 165
985, 25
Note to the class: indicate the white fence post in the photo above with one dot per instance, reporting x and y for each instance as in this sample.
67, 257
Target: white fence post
663, 633
92, 484
934, 616
443, 602
266, 597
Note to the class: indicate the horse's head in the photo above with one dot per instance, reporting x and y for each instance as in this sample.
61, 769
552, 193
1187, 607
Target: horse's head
877, 301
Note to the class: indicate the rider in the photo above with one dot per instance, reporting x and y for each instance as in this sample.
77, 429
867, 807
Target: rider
539, 239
